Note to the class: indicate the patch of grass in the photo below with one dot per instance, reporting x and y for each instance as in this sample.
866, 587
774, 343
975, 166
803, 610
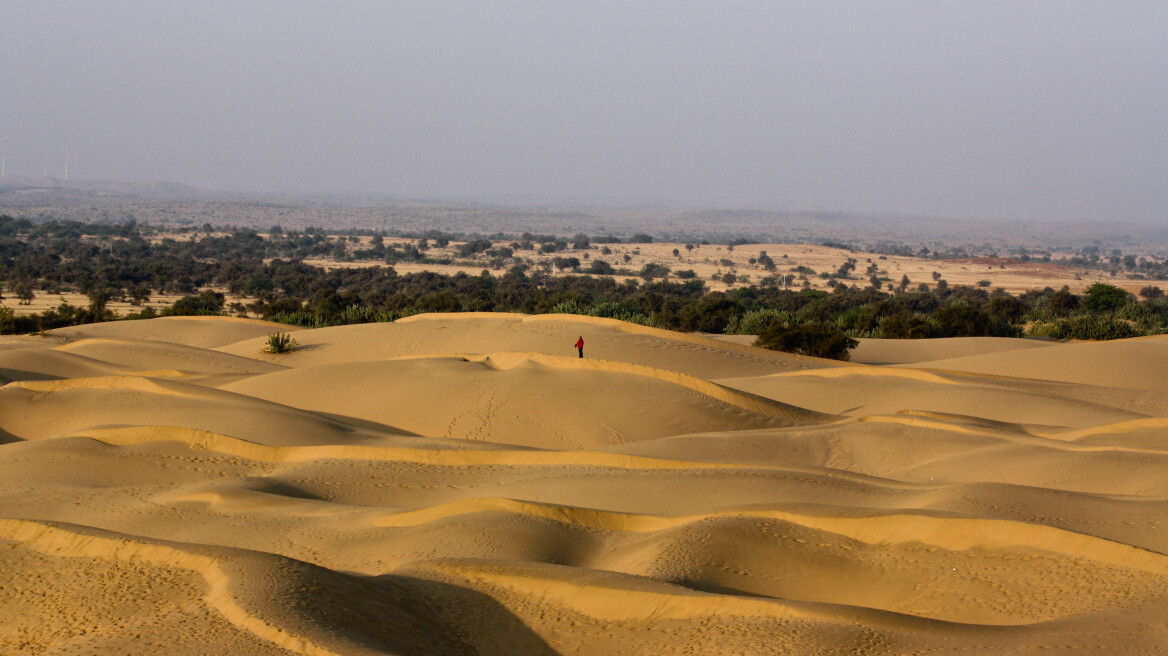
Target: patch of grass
280, 343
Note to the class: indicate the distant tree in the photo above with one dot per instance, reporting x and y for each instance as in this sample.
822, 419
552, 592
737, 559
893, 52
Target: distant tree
99, 296
601, 267
903, 325
565, 263
766, 261
1102, 297
443, 301
641, 238
963, 320
1007, 308
729, 278
139, 294
1063, 302
207, 302
676, 253
476, 246
709, 314
23, 292
1152, 293
653, 270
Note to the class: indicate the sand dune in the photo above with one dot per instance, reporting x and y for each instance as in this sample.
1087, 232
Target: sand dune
454, 484
202, 332
546, 402
908, 351
482, 333
141, 355
864, 391
1137, 363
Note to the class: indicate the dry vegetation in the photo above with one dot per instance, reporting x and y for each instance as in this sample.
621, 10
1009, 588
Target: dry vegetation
711, 262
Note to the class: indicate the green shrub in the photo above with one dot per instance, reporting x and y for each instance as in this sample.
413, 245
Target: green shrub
756, 321
570, 306
963, 320
208, 302
1085, 326
301, 318
908, 326
357, 313
280, 343
605, 309
818, 339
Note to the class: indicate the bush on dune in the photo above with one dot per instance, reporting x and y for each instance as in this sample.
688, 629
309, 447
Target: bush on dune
280, 343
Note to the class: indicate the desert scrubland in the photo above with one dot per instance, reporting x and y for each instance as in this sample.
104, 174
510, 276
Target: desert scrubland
464, 484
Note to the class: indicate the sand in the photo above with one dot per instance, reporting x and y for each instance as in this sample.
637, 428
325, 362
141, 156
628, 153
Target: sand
464, 484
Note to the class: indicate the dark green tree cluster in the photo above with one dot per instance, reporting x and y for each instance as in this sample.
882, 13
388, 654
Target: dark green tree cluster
129, 262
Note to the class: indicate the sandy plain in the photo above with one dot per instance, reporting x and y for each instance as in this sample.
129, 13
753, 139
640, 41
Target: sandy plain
464, 484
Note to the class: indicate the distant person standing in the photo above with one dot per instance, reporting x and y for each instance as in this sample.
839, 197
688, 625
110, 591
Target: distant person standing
580, 345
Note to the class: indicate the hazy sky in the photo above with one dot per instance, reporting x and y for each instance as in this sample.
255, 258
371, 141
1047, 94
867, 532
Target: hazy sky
1039, 110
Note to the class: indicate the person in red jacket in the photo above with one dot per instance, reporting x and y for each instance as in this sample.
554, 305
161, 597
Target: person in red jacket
580, 345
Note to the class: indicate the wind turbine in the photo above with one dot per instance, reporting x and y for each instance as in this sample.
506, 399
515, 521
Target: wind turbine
3, 154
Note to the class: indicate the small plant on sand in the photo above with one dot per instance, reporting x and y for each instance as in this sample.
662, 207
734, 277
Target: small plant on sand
280, 343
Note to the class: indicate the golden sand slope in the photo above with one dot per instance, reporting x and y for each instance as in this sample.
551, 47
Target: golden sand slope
463, 484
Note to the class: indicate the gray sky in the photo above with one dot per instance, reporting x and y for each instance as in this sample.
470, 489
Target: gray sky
1030, 110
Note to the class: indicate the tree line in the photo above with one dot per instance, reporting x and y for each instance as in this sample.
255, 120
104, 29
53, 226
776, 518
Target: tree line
129, 262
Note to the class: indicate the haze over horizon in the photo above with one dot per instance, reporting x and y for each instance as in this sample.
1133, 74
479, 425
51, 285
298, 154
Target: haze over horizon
1038, 110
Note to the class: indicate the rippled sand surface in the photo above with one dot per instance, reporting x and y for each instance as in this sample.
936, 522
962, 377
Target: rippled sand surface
464, 484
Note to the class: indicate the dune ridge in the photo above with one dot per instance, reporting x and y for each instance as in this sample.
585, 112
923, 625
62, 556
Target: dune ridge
60, 541
751, 402
465, 484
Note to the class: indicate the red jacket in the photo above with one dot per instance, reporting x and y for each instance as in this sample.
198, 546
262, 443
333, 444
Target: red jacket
580, 343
